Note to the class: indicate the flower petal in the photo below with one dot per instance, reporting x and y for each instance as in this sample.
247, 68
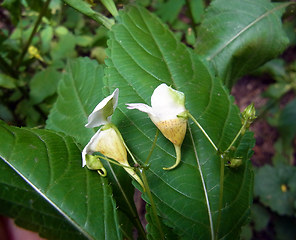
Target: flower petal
103, 111
89, 148
140, 106
167, 103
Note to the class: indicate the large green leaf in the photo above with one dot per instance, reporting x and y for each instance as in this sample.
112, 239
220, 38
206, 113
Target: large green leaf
79, 92
237, 36
29, 210
143, 53
51, 164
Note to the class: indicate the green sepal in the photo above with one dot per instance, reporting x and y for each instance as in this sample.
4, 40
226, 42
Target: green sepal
94, 163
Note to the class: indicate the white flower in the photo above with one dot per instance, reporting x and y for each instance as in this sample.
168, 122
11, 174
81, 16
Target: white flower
103, 111
101, 115
166, 106
107, 140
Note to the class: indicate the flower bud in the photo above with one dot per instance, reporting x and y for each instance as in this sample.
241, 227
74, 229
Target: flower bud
248, 116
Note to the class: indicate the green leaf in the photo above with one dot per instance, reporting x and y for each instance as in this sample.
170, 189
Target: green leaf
79, 92
44, 84
46, 36
168, 11
85, 8
109, 4
43, 218
14, 8
286, 122
237, 36
197, 10
276, 187
152, 229
143, 53
7, 81
65, 46
260, 217
51, 164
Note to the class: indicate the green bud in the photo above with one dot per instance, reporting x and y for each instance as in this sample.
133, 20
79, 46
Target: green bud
249, 114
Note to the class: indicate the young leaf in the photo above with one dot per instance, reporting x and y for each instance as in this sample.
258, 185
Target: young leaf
238, 36
51, 164
143, 53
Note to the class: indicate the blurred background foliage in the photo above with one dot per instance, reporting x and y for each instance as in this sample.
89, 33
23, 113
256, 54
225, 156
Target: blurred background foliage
38, 36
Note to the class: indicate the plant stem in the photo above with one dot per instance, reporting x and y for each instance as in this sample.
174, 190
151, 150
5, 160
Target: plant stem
204, 132
220, 196
116, 163
237, 135
134, 215
25, 49
153, 207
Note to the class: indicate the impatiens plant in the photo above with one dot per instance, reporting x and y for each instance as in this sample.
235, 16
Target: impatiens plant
195, 177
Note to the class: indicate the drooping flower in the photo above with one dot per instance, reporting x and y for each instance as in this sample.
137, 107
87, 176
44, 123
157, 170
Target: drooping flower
101, 115
107, 140
167, 105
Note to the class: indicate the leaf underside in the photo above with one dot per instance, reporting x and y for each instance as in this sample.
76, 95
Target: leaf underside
143, 53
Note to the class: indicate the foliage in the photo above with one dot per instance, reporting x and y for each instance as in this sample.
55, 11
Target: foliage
191, 47
274, 189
